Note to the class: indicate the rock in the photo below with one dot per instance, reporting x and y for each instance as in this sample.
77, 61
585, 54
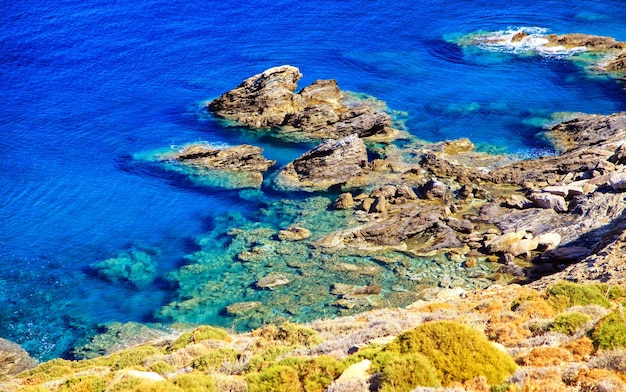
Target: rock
406, 192
239, 308
331, 163
365, 290
366, 204
548, 241
344, 201
379, 205
466, 192
14, 359
567, 255
462, 226
272, 281
294, 233
511, 269
518, 201
357, 371
504, 242
558, 190
523, 247
458, 146
319, 111
341, 288
434, 189
618, 181
590, 42
549, 201
618, 64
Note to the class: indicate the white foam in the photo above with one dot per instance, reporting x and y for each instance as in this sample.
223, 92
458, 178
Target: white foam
531, 43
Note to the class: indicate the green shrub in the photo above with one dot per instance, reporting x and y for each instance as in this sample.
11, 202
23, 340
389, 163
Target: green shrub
278, 378
610, 332
199, 334
612, 292
162, 368
83, 384
215, 359
566, 294
368, 352
297, 374
195, 382
402, 373
456, 351
289, 334
569, 323
132, 357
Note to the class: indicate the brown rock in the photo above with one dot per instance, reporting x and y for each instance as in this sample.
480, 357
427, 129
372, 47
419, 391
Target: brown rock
294, 233
591, 42
344, 201
319, 111
272, 281
239, 308
549, 201
331, 163
14, 359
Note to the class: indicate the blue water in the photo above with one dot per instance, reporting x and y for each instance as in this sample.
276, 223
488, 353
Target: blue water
86, 84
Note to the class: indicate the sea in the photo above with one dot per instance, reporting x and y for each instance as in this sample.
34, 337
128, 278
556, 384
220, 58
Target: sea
88, 86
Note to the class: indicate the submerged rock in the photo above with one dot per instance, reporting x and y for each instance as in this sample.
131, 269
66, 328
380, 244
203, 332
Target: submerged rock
294, 233
272, 281
319, 111
229, 167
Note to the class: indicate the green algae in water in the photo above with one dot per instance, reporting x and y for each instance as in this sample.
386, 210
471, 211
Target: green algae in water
239, 251
136, 266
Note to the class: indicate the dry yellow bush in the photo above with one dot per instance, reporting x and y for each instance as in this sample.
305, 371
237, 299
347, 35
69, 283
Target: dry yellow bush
590, 379
435, 306
581, 349
545, 356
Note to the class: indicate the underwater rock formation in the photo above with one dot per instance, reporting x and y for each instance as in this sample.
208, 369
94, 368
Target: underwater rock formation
318, 111
231, 167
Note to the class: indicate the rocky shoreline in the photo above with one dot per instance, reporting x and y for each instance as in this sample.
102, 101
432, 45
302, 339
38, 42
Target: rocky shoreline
537, 221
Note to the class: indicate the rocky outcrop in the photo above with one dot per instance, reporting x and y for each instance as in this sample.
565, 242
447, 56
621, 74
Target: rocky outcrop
333, 162
14, 359
590, 42
319, 111
240, 166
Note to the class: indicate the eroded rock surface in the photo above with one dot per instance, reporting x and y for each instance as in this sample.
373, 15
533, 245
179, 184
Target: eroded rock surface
14, 359
318, 111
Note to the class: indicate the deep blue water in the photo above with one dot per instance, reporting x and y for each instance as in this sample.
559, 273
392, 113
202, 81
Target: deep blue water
86, 84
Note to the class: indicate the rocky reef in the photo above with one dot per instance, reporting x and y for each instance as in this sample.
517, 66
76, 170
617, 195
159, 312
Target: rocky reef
603, 54
319, 111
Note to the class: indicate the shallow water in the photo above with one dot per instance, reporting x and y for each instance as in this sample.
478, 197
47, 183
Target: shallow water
88, 84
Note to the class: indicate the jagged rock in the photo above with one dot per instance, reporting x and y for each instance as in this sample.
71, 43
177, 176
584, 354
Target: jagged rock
549, 201
239, 308
272, 281
558, 190
320, 111
344, 201
294, 233
341, 288
466, 192
14, 359
618, 64
331, 163
454, 147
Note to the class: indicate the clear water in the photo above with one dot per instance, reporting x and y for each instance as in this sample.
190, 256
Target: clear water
87, 84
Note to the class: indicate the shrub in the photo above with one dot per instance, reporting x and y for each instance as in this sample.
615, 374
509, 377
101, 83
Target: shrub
162, 368
195, 382
566, 294
289, 334
458, 352
545, 356
297, 374
610, 332
83, 384
215, 359
199, 334
581, 348
569, 323
402, 373
132, 357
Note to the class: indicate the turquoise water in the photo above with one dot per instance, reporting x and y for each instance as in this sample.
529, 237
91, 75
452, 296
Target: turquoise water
85, 85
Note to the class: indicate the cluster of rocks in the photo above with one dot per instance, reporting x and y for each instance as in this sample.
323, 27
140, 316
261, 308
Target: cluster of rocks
319, 111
